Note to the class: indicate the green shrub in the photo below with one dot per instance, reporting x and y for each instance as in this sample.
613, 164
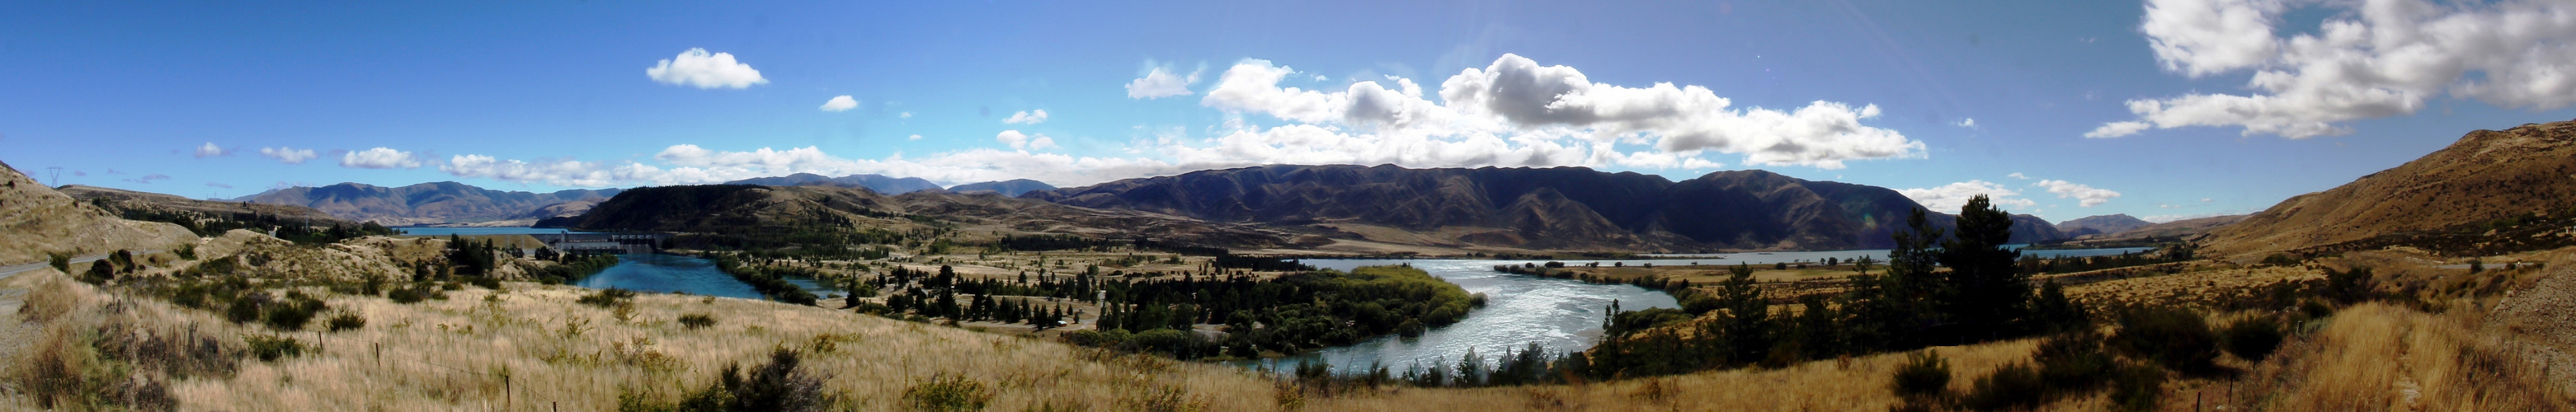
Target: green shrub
99, 273
347, 321
2073, 363
404, 295
946, 392
60, 262
606, 297
2015, 386
2253, 339
697, 320
2173, 337
2137, 388
292, 312
1925, 375
269, 348
486, 282
244, 309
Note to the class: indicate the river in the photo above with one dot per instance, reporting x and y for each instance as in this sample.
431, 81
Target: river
1561, 315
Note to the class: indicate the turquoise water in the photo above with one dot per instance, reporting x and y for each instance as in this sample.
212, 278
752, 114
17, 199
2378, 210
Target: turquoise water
683, 274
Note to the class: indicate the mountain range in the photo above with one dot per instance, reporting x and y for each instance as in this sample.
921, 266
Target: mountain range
781, 212
878, 183
440, 203
1533, 208
2102, 225
1013, 187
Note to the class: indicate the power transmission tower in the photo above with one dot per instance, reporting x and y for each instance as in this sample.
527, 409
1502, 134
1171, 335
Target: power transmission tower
58, 175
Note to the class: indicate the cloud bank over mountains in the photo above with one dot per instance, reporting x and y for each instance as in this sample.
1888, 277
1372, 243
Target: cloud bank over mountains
1514, 112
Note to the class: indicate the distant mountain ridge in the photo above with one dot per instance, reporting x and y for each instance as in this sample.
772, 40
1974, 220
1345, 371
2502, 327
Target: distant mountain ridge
1012, 188
1536, 208
425, 203
2102, 225
877, 183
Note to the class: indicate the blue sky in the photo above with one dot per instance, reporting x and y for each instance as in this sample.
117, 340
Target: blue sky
2170, 109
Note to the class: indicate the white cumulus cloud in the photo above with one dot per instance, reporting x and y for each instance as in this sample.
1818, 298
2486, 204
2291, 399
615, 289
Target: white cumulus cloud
1948, 198
1027, 117
564, 172
1518, 99
2367, 59
697, 68
840, 103
1160, 83
914, 137
2086, 196
380, 158
287, 155
211, 150
1020, 141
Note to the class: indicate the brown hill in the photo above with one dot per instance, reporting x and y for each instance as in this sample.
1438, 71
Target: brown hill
36, 220
2486, 176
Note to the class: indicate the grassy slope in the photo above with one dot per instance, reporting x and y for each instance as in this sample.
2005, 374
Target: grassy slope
449, 354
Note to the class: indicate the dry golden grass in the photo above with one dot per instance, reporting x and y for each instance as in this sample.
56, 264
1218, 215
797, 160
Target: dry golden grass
451, 354
1861, 384
2379, 357
2208, 289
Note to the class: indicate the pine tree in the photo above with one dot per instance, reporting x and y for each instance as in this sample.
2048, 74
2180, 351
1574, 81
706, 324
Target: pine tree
1987, 297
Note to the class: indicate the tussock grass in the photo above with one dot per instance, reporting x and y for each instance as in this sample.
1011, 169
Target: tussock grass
2382, 357
533, 345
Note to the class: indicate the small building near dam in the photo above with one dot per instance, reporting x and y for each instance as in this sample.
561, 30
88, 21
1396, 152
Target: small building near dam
599, 243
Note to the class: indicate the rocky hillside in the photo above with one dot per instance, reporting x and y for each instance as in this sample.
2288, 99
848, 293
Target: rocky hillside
878, 183
36, 221
1551, 208
2102, 225
423, 204
2485, 178
1013, 187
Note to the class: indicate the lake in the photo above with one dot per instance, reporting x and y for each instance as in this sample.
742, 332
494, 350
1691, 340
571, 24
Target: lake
654, 272
470, 231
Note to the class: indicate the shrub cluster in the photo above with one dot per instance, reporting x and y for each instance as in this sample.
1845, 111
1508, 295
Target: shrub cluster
775, 386
697, 320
